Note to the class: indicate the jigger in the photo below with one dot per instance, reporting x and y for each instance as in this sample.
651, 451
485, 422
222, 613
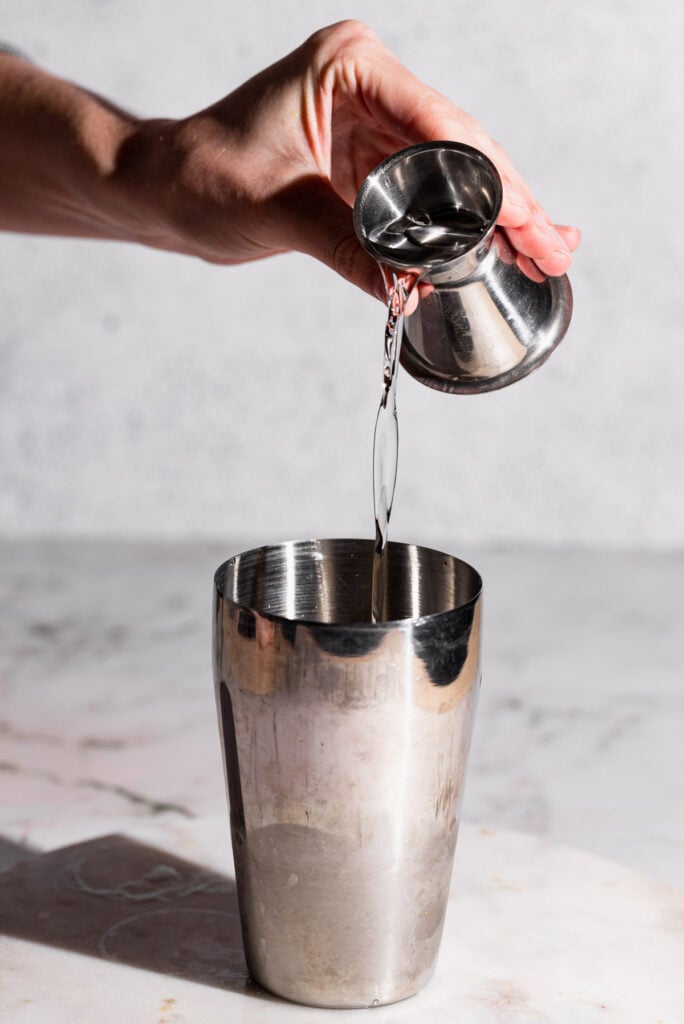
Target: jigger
431, 209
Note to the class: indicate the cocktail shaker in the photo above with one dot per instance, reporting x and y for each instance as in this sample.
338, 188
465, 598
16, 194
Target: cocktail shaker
431, 209
345, 745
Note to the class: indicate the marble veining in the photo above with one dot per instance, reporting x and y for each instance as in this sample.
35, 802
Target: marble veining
143, 926
107, 725
106, 706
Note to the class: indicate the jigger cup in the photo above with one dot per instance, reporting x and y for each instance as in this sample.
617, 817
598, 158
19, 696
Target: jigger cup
345, 745
432, 209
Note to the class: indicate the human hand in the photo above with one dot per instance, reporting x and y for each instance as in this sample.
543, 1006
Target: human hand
276, 165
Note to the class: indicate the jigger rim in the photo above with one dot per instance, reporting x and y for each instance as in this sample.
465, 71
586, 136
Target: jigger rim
361, 228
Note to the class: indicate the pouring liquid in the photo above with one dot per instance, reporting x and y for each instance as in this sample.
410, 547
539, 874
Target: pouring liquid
386, 435
423, 239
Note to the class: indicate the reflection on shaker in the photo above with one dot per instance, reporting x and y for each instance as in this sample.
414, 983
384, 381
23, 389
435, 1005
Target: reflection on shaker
345, 747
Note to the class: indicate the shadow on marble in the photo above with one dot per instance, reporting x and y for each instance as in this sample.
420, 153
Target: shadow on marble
127, 902
13, 852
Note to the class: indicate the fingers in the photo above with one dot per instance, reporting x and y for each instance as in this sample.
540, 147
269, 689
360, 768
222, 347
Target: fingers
572, 235
550, 247
515, 211
555, 264
535, 237
530, 269
360, 80
404, 106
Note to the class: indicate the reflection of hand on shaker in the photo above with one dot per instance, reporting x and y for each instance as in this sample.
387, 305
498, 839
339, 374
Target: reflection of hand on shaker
272, 167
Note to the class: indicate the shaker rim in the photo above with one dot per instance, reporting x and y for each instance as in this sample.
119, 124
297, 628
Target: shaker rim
364, 625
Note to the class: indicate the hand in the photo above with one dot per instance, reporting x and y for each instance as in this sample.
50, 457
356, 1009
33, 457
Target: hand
276, 165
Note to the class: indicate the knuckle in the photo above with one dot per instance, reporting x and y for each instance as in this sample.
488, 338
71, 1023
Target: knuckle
343, 35
476, 131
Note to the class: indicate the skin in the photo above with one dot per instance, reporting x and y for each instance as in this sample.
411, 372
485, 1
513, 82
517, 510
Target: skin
273, 167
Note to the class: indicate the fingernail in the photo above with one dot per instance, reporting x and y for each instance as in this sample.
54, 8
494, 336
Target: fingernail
542, 221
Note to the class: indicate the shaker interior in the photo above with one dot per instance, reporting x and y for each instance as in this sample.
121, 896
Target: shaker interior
330, 581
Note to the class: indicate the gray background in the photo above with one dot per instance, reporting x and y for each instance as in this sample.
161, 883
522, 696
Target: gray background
149, 395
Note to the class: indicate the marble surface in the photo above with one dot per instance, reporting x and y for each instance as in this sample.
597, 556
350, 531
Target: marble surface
107, 727
143, 927
106, 708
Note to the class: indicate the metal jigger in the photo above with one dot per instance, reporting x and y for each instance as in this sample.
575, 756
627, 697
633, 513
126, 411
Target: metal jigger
432, 209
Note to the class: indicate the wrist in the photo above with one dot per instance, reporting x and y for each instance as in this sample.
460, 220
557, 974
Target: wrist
173, 195
73, 164
143, 185
187, 189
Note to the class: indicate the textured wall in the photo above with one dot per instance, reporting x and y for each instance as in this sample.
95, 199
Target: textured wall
144, 394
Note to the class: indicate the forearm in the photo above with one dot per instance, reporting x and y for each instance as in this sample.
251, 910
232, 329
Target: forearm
68, 162
271, 167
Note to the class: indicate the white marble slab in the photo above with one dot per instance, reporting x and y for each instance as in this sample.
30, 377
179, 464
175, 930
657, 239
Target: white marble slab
106, 707
119, 929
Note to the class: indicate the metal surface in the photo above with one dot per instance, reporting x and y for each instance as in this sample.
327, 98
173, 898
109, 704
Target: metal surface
432, 208
345, 745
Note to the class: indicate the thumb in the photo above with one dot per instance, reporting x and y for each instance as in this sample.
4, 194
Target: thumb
316, 221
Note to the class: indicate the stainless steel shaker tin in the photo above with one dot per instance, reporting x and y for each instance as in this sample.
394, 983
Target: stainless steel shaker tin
432, 209
345, 745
